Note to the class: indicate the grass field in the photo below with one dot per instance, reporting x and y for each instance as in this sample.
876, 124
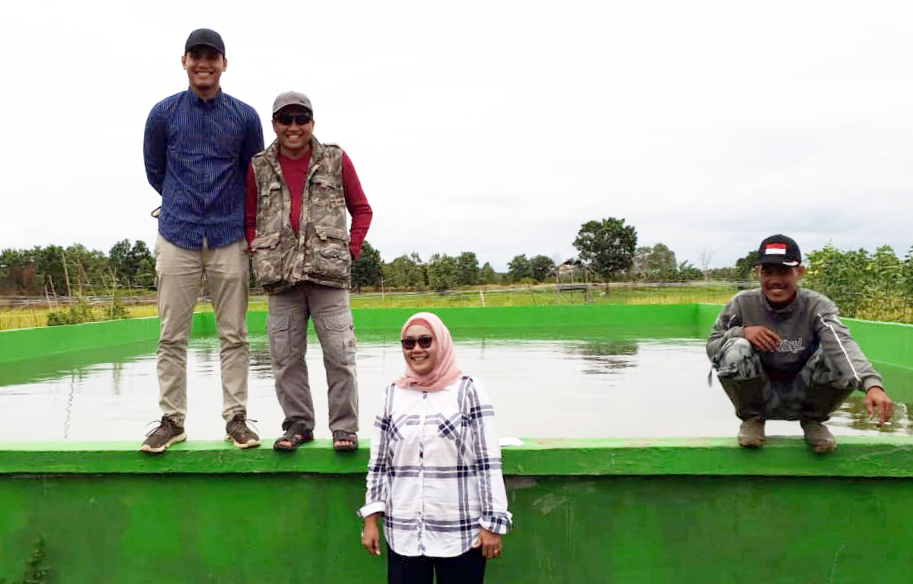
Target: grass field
30, 313
35, 315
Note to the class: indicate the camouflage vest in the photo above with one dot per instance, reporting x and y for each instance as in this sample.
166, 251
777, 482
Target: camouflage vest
320, 251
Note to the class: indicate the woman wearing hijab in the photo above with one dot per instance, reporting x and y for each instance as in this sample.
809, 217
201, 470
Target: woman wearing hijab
435, 467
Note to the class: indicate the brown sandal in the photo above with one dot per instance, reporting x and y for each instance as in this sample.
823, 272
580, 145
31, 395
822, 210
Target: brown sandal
343, 436
292, 439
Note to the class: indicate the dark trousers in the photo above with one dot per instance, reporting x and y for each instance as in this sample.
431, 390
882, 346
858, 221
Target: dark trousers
468, 568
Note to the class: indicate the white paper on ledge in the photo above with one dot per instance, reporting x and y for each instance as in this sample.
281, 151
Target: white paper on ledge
511, 441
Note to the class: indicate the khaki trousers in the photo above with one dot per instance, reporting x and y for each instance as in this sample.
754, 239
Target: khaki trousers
287, 324
179, 273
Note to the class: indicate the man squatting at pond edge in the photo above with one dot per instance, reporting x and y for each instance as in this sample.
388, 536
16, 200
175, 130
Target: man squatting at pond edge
196, 148
298, 191
781, 353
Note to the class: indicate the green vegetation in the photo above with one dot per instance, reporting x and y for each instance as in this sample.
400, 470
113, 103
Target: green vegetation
75, 313
545, 295
875, 286
54, 271
607, 246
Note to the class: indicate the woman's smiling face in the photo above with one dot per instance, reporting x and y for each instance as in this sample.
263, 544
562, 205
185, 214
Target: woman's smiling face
420, 359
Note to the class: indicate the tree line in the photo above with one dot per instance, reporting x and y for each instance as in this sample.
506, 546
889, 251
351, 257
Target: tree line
862, 284
75, 270
607, 251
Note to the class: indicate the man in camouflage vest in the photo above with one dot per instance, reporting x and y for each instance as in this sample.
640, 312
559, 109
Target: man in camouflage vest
298, 193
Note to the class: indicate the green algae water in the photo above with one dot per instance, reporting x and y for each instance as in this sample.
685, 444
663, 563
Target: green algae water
543, 385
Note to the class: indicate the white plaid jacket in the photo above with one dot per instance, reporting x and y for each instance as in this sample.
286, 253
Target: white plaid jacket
435, 470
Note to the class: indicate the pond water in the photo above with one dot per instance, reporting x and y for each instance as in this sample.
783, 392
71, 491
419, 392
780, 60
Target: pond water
546, 388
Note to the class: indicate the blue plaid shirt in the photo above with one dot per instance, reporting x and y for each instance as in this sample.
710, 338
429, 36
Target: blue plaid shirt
196, 154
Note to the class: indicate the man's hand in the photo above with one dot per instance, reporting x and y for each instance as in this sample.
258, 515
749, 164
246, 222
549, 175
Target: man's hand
876, 400
490, 543
761, 338
370, 535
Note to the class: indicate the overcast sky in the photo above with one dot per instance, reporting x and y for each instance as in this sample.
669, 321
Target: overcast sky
493, 127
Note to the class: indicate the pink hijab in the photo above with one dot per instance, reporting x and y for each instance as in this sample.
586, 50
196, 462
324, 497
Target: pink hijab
445, 369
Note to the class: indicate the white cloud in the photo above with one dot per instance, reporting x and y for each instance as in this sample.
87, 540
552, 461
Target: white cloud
494, 127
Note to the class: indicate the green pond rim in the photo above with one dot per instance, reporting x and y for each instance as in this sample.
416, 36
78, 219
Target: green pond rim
613, 510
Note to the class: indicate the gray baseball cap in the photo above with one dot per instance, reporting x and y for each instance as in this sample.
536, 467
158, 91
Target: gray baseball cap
292, 98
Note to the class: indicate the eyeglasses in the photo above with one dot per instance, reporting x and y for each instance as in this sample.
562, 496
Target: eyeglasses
409, 342
300, 119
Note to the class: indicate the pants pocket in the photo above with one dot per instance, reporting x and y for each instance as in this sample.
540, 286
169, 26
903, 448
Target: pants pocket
277, 328
338, 336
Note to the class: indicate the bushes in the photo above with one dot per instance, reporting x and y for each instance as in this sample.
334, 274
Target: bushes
875, 286
80, 311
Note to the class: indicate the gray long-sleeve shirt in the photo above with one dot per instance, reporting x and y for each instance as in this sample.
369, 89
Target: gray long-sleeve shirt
809, 321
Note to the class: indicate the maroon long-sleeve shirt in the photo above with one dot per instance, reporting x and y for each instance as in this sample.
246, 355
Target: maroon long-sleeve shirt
295, 173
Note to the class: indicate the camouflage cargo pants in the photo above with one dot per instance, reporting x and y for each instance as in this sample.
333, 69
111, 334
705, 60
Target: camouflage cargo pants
287, 325
813, 394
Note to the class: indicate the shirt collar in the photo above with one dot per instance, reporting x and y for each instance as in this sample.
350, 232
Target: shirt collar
783, 311
205, 104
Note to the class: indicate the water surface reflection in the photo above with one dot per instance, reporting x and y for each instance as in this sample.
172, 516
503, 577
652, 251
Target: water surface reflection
574, 388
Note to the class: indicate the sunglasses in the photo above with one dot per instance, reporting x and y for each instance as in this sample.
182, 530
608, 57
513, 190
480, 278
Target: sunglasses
300, 119
409, 342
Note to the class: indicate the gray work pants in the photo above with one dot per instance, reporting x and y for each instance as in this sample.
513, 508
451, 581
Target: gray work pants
287, 324
179, 272
816, 391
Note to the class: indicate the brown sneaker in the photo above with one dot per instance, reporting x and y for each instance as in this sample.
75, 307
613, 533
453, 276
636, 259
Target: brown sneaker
818, 436
751, 433
237, 432
159, 439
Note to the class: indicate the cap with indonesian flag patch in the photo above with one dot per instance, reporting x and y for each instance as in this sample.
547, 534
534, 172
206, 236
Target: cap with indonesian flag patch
779, 249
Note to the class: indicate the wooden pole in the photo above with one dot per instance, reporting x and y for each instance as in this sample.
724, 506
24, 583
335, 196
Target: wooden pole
66, 275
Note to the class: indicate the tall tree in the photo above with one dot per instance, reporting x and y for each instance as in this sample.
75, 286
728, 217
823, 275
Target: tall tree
50, 269
367, 270
519, 268
132, 265
654, 264
607, 246
488, 274
120, 261
88, 269
469, 268
17, 272
443, 272
744, 265
406, 271
143, 265
540, 267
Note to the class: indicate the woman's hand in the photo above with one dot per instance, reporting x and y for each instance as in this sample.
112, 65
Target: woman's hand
489, 542
370, 535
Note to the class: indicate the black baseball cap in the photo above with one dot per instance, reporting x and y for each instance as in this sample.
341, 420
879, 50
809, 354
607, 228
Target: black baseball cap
207, 38
779, 249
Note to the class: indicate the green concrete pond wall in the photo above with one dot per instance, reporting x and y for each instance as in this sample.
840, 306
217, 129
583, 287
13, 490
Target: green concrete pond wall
610, 510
